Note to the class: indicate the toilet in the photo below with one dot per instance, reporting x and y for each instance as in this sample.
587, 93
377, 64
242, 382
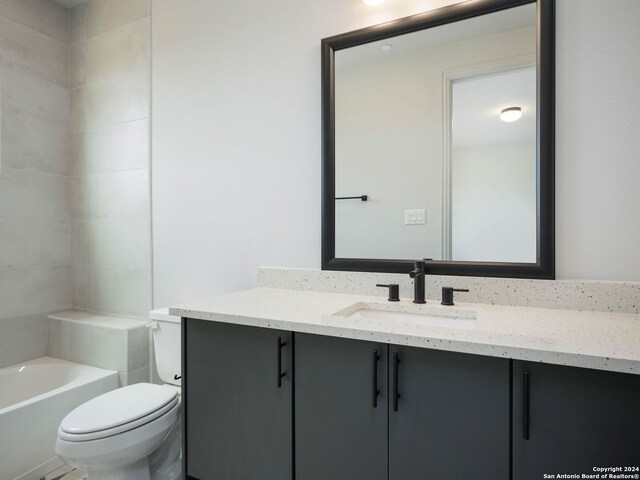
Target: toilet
132, 432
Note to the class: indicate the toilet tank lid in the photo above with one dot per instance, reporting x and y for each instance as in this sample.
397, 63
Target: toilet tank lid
163, 315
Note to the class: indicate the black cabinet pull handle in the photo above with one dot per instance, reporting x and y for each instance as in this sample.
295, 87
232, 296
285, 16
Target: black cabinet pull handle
281, 374
375, 392
526, 406
396, 395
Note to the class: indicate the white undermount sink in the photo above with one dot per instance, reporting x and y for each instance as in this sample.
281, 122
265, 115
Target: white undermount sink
428, 315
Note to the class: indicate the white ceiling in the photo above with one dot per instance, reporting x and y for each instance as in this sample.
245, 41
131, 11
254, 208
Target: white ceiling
70, 3
477, 103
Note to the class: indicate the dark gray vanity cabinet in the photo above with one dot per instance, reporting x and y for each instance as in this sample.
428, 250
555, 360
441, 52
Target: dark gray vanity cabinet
238, 407
263, 404
448, 416
436, 414
341, 409
569, 420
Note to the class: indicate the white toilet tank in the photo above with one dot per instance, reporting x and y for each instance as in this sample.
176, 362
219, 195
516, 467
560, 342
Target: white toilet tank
167, 345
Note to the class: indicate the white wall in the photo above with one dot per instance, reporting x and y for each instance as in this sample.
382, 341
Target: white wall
236, 137
597, 141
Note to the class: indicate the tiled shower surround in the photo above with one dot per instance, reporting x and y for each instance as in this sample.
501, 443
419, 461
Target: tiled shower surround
110, 232
35, 210
74, 160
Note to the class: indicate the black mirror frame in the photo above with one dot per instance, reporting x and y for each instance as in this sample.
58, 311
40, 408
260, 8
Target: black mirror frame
544, 268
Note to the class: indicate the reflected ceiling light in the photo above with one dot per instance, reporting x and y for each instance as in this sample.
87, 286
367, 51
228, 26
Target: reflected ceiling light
386, 47
511, 114
373, 2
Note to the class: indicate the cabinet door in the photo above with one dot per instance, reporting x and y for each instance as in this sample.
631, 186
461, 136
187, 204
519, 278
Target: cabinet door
238, 409
576, 418
451, 417
341, 425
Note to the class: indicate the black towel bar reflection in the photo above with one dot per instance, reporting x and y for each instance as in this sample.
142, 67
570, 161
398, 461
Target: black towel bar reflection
363, 198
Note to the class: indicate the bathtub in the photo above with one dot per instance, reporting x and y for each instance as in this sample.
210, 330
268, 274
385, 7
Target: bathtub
34, 397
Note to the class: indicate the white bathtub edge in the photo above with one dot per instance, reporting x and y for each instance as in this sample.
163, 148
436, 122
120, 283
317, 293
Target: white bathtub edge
88, 374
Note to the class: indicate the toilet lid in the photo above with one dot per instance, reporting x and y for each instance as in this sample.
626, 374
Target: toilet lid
118, 407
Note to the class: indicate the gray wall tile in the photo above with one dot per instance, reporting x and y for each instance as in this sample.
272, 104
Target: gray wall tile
88, 344
120, 290
78, 113
141, 375
117, 101
138, 348
43, 16
117, 147
117, 195
34, 195
123, 52
23, 338
27, 241
118, 242
79, 243
105, 15
33, 101
76, 154
77, 198
29, 51
35, 232
77, 65
80, 291
110, 154
78, 24
31, 290
28, 146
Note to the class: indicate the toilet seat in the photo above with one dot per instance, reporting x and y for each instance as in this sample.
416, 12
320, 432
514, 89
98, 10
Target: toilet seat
117, 412
120, 449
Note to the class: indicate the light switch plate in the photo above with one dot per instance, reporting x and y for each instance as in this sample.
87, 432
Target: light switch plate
415, 217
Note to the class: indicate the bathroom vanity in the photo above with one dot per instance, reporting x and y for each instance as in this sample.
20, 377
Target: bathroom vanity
282, 384
286, 383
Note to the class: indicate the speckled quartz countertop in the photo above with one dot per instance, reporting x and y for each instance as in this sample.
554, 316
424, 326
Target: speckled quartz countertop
599, 340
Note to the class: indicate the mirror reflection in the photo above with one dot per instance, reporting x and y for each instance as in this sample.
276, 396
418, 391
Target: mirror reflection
438, 129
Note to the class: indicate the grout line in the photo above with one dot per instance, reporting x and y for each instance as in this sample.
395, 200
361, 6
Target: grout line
112, 29
38, 265
44, 36
91, 265
37, 219
109, 125
110, 172
37, 172
124, 316
18, 121
69, 74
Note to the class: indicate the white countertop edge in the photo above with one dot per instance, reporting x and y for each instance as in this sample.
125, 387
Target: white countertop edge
570, 359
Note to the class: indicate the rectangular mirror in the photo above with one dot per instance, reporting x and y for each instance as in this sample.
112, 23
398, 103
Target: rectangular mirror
438, 142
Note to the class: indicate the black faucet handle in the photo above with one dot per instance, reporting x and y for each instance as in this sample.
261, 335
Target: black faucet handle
422, 264
419, 267
394, 291
447, 294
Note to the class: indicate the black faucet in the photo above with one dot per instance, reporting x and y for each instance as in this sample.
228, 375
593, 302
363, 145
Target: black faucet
418, 281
